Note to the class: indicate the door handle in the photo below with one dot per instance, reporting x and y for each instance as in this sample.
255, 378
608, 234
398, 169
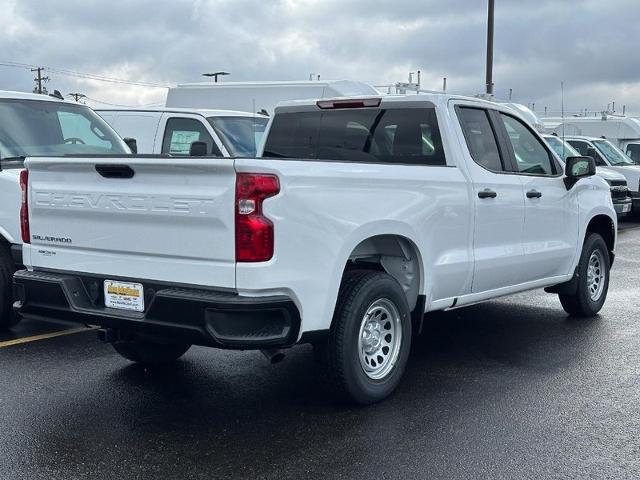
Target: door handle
534, 194
487, 193
115, 171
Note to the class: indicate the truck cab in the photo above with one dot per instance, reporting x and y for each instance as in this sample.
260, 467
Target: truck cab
162, 131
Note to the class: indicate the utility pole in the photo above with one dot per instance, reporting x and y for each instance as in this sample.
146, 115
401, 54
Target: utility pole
215, 75
489, 78
39, 81
77, 96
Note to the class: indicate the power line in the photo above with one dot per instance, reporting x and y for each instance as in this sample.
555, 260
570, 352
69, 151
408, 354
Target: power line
121, 105
87, 76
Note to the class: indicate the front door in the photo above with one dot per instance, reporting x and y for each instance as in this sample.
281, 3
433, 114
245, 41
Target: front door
550, 234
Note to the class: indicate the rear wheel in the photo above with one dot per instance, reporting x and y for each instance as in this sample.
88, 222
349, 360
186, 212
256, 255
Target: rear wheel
593, 279
8, 317
149, 353
370, 337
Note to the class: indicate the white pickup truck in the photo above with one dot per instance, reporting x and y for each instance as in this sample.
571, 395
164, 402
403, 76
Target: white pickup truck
173, 131
40, 126
361, 215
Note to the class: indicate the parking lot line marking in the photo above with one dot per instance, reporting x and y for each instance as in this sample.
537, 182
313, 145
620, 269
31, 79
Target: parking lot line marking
44, 336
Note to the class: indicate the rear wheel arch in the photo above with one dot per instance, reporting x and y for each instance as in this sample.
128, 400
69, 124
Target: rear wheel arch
396, 255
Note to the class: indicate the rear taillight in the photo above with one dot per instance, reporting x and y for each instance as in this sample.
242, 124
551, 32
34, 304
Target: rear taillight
254, 231
24, 207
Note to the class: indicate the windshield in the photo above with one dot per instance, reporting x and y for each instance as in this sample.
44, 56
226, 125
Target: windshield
562, 149
612, 153
240, 135
50, 129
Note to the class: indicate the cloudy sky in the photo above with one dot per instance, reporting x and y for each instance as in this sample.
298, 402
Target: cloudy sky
591, 45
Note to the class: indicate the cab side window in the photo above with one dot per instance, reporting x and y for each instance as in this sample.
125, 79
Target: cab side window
586, 149
531, 156
633, 151
180, 133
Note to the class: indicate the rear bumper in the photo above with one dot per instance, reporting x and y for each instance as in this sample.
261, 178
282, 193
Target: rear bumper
200, 317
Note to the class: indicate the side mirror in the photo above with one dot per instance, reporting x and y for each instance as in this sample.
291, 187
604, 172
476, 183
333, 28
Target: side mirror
132, 144
198, 149
577, 168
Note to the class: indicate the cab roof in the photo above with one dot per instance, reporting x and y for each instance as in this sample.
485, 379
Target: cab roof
8, 94
436, 98
205, 112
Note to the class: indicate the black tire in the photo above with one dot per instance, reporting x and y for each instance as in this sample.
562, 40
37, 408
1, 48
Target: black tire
150, 353
581, 303
359, 291
8, 317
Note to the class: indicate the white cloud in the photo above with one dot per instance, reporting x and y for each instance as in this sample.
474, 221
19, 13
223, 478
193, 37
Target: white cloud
539, 43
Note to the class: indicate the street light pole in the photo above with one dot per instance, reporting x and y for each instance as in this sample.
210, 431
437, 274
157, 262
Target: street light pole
489, 78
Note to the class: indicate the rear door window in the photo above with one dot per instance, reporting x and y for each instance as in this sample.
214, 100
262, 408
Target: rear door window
180, 133
480, 137
399, 135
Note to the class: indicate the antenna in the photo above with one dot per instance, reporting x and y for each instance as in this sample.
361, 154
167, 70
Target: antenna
562, 115
215, 75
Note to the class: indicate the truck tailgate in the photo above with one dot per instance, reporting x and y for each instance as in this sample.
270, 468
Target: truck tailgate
172, 220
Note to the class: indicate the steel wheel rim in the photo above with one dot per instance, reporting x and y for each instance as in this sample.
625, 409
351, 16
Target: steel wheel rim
379, 338
595, 275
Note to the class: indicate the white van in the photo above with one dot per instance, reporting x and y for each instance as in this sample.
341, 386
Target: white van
174, 131
260, 96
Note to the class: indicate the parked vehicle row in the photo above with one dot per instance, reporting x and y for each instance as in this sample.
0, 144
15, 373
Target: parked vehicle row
357, 216
620, 194
621, 131
606, 154
183, 132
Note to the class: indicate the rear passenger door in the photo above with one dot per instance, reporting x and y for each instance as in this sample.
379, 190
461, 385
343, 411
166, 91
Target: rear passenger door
181, 130
550, 234
499, 202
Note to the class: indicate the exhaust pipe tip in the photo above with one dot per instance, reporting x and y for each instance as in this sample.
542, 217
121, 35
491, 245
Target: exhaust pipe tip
273, 355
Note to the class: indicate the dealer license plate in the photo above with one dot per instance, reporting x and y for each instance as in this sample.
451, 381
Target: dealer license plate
626, 208
123, 295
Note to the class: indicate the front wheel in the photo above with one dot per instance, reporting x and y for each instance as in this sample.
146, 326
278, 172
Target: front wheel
593, 279
149, 353
370, 337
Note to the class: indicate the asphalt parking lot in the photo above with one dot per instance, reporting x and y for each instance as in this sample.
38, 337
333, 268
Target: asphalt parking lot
508, 389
